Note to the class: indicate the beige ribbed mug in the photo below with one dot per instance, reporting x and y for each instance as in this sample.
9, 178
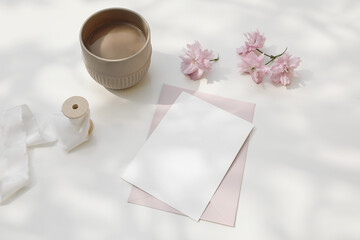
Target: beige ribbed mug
116, 47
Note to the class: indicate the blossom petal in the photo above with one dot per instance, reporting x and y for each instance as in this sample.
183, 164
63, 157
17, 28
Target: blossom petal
284, 69
188, 68
196, 61
196, 75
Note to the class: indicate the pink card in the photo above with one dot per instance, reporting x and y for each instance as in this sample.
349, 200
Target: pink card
222, 208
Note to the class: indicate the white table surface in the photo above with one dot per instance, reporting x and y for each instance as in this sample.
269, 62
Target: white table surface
302, 175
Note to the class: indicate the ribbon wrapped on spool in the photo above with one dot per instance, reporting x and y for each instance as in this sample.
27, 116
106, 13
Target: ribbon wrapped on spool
74, 126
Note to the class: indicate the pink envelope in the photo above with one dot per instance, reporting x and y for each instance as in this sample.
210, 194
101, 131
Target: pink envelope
222, 208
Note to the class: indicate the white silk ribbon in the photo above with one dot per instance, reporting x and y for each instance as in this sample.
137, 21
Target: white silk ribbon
18, 131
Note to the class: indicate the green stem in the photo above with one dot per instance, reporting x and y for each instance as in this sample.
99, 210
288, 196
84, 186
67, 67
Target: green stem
271, 60
271, 56
215, 59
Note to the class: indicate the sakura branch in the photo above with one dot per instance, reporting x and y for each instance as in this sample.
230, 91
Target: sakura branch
283, 65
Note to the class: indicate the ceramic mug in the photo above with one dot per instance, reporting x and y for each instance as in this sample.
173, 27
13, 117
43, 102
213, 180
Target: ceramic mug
116, 47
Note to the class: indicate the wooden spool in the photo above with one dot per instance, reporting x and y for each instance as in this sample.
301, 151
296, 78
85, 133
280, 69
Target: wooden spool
76, 107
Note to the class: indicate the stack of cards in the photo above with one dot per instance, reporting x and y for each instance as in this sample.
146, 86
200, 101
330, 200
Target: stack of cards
193, 160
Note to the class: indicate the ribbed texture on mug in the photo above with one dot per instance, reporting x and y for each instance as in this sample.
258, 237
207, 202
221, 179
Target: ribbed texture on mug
119, 82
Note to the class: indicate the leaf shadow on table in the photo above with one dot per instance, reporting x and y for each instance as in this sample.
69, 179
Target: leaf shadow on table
23, 68
15, 3
313, 180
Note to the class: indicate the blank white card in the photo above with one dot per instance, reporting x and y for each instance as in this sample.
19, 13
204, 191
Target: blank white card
184, 160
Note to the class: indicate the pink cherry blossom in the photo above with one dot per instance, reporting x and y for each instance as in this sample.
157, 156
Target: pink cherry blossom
254, 40
283, 69
253, 65
196, 61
